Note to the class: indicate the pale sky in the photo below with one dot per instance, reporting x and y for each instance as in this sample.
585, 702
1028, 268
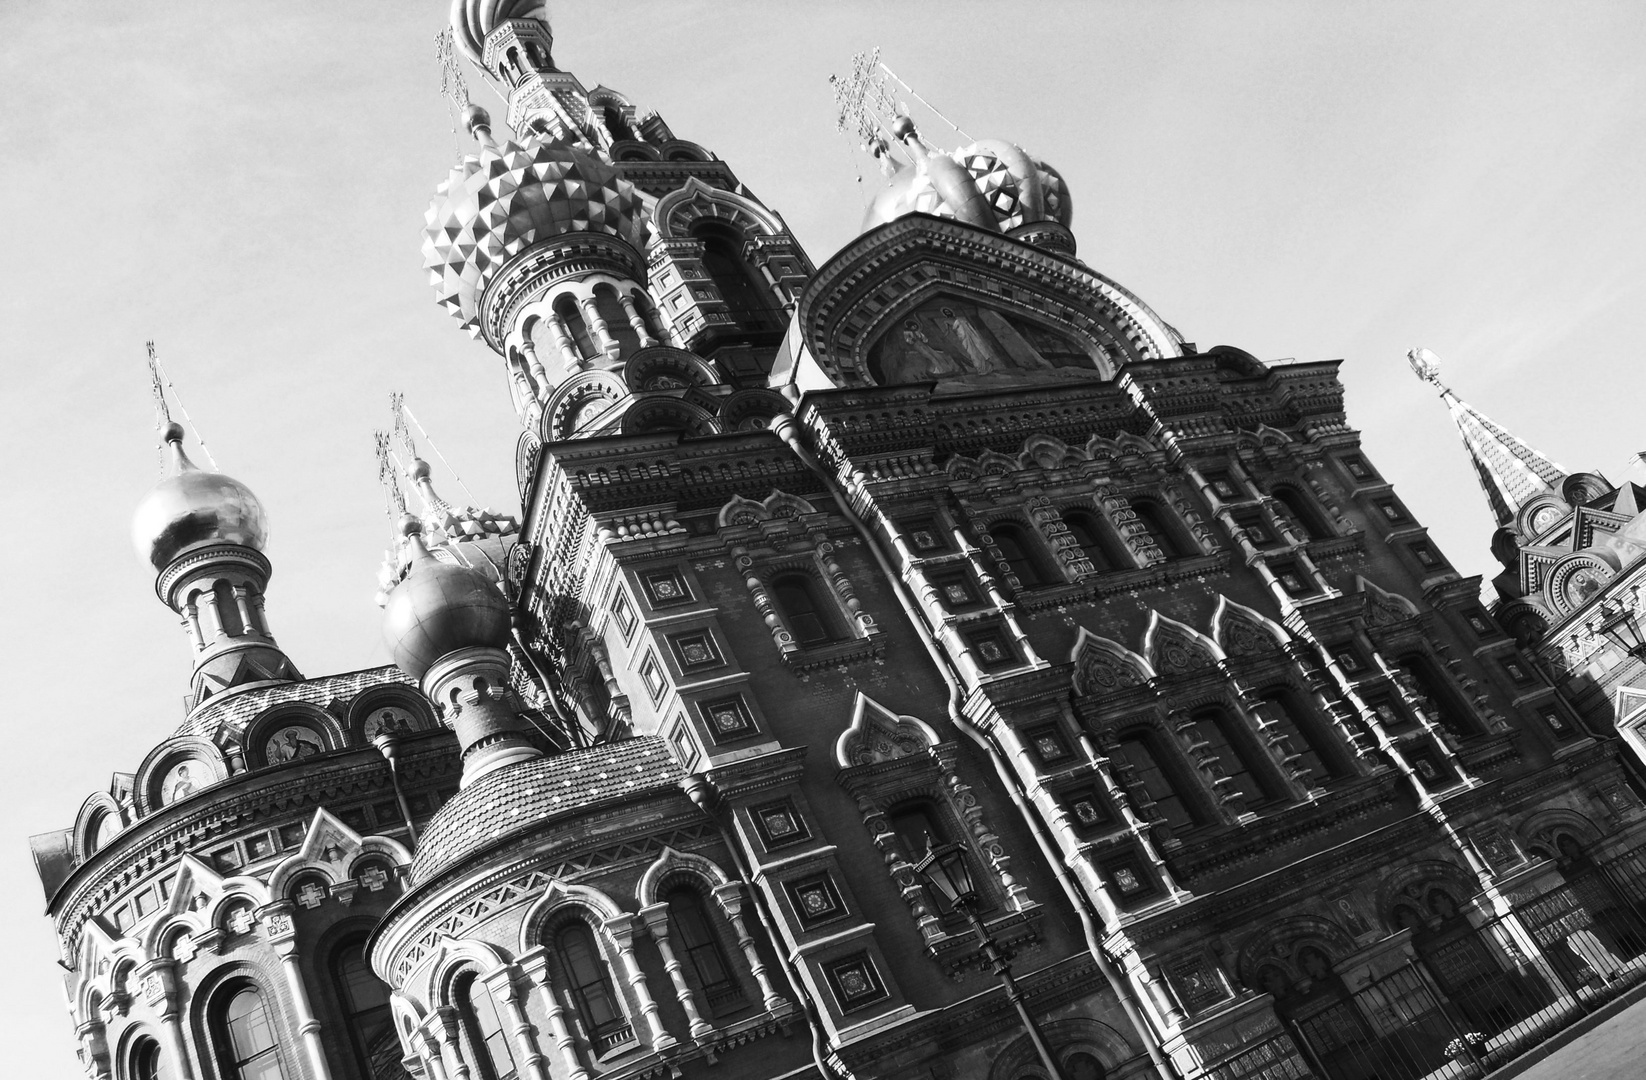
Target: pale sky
245, 183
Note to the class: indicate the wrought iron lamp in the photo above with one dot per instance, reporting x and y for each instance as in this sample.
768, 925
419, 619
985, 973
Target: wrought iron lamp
1622, 628
949, 878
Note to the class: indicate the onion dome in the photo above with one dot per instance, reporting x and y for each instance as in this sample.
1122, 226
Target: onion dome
440, 608
991, 184
473, 20
507, 197
192, 506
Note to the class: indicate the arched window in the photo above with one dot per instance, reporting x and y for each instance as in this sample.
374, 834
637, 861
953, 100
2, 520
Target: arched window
1093, 539
648, 313
104, 829
590, 989
699, 948
246, 1037
1225, 738
748, 299
919, 828
1317, 750
1164, 528
571, 317
1138, 751
797, 602
617, 320
1305, 511
228, 611
147, 1062
365, 1003
619, 127
1015, 548
483, 1030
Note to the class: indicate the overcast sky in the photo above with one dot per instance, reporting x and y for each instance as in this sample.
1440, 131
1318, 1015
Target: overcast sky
245, 183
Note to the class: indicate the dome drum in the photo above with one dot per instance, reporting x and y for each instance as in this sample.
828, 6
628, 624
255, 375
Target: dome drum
218, 560
528, 276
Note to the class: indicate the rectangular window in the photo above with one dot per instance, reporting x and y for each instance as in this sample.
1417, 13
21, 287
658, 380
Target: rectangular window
1392, 511
355, 818
956, 590
695, 650
1430, 767
145, 902
685, 747
292, 835
1426, 556
728, 718
1256, 529
1387, 714
652, 675
623, 612
925, 537
855, 982
816, 898
665, 587
1556, 722
1291, 579
227, 858
261, 846
1358, 468
1050, 745
991, 648
1129, 878
779, 825
1479, 623
1222, 485
1516, 670
1348, 658
1086, 806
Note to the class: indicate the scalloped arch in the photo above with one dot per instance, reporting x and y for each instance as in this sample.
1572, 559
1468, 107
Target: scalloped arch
1102, 665
1243, 631
557, 896
670, 861
743, 511
877, 734
89, 819
676, 212
1175, 648
452, 956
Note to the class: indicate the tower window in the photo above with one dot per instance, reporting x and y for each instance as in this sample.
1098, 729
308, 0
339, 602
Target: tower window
483, 1027
1092, 538
148, 1063
1305, 511
365, 1009
1231, 745
1020, 558
806, 619
1319, 753
700, 949
591, 991
748, 300
1164, 529
247, 1038
1138, 751
566, 309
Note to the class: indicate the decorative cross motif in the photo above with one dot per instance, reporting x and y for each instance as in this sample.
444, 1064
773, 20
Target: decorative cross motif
240, 921
184, 948
311, 895
374, 878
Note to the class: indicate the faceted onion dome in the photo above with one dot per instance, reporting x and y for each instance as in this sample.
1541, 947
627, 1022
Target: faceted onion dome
192, 506
500, 201
473, 20
440, 608
992, 184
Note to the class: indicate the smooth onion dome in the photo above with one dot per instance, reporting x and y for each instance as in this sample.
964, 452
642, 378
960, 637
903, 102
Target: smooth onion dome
506, 197
440, 608
191, 507
992, 184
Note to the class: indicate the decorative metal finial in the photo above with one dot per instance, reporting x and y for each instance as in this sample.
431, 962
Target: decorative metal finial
160, 383
1425, 364
394, 498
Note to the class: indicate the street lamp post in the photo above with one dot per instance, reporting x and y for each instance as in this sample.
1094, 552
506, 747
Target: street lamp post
950, 879
1622, 629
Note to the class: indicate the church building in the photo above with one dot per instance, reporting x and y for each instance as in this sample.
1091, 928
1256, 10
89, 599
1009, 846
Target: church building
924, 663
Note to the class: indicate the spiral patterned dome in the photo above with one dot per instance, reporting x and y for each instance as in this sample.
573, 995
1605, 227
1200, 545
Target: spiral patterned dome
439, 608
505, 198
992, 184
192, 506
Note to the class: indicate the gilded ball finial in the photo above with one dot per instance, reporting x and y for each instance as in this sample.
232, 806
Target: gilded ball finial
1425, 364
476, 119
172, 432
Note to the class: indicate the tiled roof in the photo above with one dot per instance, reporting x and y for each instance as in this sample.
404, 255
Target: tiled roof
235, 709
521, 797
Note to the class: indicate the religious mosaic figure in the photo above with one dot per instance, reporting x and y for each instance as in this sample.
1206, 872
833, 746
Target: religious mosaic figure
179, 785
979, 353
292, 743
951, 341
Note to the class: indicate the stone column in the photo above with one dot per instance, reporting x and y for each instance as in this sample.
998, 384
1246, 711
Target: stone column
429, 1052
569, 356
244, 607
656, 917
208, 600
637, 320
445, 1021
191, 614
598, 328
94, 1049
159, 982
502, 986
620, 928
535, 964
534, 366
730, 896
282, 937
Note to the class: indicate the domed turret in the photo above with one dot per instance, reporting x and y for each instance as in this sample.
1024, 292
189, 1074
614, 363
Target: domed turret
507, 197
440, 609
991, 184
192, 506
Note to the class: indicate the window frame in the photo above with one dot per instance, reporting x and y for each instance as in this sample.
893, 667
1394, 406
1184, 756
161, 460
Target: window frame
474, 1035
229, 1065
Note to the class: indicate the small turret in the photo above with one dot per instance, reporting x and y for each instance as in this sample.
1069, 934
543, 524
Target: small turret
204, 533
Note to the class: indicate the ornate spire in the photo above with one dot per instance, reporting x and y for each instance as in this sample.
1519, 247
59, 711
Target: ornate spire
1510, 472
